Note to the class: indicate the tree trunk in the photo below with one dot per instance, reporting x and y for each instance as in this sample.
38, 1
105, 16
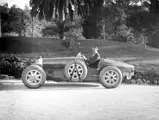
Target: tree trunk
0, 25
61, 35
154, 4
145, 42
32, 26
104, 30
61, 23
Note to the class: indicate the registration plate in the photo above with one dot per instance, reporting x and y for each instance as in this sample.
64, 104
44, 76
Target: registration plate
129, 75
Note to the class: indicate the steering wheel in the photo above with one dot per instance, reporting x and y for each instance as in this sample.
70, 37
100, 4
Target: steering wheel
84, 57
81, 55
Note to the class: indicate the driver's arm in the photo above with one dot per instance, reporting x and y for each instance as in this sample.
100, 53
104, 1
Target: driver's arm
93, 58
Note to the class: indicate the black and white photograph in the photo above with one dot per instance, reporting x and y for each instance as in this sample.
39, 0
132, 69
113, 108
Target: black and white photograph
79, 59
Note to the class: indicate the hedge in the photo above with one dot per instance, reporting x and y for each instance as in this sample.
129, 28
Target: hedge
146, 77
13, 66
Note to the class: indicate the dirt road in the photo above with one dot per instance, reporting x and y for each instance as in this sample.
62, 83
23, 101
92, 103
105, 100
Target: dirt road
78, 102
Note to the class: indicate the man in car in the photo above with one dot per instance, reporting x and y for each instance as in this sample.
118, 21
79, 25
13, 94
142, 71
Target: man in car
94, 59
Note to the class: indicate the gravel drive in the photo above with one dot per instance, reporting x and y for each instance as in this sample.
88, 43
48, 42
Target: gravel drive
74, 101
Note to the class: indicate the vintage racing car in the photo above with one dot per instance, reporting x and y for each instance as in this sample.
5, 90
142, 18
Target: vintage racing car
110, 73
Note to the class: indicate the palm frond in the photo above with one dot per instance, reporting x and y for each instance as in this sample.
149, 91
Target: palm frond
60, 8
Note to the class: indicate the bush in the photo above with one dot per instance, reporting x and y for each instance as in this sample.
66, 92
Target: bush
70, 39
12, 65
148, 77
66, 43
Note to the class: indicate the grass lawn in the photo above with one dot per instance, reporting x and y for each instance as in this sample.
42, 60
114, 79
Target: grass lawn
48, 47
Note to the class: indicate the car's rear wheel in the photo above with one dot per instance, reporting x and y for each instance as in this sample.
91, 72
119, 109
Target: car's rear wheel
75, 71
33, 76
110, 77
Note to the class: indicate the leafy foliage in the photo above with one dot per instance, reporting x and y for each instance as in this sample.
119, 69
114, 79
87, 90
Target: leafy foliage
16, 21
91, 28
149, 78
60, 8
142, 21
71, 40
12, 65
4, 18
106, 18
13, 20
144, 24
55, 28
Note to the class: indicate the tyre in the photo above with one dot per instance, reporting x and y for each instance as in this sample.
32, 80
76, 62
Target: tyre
33, 76
73, 74
110, 77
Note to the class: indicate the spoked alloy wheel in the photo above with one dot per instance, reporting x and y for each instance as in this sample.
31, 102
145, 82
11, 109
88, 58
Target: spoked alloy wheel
33, 76
75, 71
110, 77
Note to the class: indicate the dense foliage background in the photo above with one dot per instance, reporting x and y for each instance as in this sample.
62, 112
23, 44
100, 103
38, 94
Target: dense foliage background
124, 21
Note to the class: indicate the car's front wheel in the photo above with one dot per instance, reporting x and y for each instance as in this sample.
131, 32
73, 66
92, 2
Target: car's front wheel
110, 77
33, 76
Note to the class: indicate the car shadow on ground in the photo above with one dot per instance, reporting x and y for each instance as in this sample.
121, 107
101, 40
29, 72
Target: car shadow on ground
49, 86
